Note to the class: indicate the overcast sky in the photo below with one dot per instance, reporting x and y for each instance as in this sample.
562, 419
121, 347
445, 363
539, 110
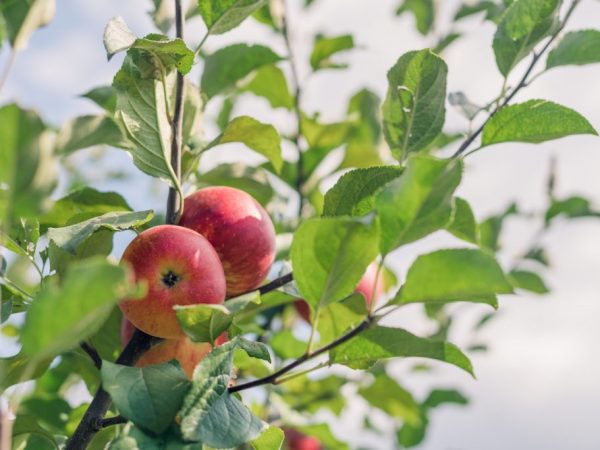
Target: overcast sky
538, 386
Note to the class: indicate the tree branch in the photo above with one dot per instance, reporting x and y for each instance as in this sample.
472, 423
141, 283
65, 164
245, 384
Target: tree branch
92, 353
140, 342
273, 378
116, 420
297, 109
522, 83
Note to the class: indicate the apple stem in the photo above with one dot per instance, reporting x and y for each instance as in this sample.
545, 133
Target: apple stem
522, 83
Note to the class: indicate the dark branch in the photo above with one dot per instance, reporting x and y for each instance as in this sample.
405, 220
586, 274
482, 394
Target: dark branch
272, 285
174, 200
522, 83
92, 353
272, 379
117, 420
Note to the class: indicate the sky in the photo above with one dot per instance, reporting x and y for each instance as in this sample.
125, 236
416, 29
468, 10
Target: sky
537, 387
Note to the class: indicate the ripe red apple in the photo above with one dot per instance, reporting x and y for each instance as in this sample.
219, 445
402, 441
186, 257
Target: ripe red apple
364, 287
186, 352
239, 229
180, 267
296, 440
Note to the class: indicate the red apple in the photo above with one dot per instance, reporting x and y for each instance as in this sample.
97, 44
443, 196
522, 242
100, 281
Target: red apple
364, 287
186, 352
296, 440
239, 229
180, 267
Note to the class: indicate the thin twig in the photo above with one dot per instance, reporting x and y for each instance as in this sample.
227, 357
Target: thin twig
274, 377
297, 108
116, 420
9, 65
522, 83
272, 285
92, 353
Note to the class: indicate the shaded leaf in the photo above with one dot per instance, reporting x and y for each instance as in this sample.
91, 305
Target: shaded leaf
270, 439
576, 48
464, 225
88, 131
530, 281
325, 47
221, 16
423, 10
386, 394
271, 84
23, 17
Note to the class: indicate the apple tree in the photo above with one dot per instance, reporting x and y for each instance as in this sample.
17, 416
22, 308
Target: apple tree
244, 308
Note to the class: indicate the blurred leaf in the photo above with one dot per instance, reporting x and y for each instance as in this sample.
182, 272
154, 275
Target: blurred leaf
491, 8
287, 346
172, 53
453, 275
310, 396
230, 64
260, 137
70, 237
538, 254
133, 438
386, 394
252, 180
354, 193
383, 342
534, 121
464, 225
224, 116
576, 48
47, 333
107, 340
103, 96
142, 109
337, 318
270, 439
270, 83
325, 47
530, 281
148, 396
209, 413
424, 12
51, 411
25, 424
418, 202
23, 17
491, 228
439, 397
444, 42
330, 255
523, 25
85, 200
19, 368
571, 207
463, 104
323, 435
413, 111
221, 16
88, 131
161, 15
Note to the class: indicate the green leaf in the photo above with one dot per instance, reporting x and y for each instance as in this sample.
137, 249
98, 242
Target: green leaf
386, 394
20, 368
133, 438
260, 137
23, 17
252, 180
142, 109
310, 396
221, 16
337, 318
330, 256
491, 228
571, 207
230, 64
287, 346
491, 8
383, 342
88, 131
25, 424
530, 281
534, 121
424, 12
576, 48
325, 47
148, 396
270, 439
453, 275
103, 96
206, 322
354, 193
85, 200
464, 225
209, 413
523, 25
69, 238
439, 397
172, 53
27, 166
418, 202
47, 333
107, 341
413, 111
271, 84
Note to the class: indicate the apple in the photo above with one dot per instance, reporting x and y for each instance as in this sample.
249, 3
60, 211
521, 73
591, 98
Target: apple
364, 287
296, 440
239, 229
186, 352
180, 267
